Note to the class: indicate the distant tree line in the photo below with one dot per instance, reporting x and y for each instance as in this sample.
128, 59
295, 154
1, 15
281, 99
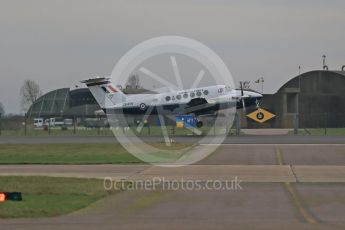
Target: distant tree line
133, 82
2, 109
29, 93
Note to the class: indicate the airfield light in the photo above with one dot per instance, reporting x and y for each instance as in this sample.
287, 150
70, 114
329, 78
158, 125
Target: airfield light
2, 197
14, 196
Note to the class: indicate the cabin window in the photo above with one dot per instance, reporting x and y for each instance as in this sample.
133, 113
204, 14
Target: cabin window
205, 92
178, 97
167, 98
104, 89
185, 95
198, 93
192, 94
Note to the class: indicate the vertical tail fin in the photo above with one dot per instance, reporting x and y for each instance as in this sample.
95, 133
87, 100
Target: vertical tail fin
106, 94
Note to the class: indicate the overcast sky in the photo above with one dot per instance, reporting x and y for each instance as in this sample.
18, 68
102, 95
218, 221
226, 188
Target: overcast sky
57, 43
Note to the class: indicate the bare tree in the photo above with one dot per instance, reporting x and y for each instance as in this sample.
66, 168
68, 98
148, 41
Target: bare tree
29, 93
2, 110
133, 82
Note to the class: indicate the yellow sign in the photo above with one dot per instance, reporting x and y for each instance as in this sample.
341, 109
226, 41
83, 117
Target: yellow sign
261, 115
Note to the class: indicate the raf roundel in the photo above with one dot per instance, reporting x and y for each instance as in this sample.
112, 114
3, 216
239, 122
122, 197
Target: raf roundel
142, 106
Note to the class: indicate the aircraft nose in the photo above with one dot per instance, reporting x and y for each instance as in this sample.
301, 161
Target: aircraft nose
256, 95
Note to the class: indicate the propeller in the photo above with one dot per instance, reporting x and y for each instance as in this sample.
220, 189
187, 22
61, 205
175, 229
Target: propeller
242, 98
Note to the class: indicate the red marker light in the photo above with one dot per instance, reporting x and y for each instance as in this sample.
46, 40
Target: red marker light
2, 197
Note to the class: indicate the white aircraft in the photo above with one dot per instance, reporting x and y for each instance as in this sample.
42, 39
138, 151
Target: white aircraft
198, 101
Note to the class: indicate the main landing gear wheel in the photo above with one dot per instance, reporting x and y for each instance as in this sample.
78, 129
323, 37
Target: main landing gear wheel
199, 124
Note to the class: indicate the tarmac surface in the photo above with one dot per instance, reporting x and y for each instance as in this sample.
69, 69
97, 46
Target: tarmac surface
282, 186
203, 173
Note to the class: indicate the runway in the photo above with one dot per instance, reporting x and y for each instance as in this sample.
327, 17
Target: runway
284, 186
245, 173
250, 162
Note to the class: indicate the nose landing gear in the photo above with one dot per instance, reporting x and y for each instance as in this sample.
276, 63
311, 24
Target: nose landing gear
199, 124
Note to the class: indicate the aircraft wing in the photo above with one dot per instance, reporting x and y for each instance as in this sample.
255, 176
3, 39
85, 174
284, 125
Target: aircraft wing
199, 106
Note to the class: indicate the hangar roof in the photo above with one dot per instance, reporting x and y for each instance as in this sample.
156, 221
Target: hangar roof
316, 77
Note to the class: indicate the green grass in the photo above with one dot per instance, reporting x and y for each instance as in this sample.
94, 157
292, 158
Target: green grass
65, 154
49, 196
92, 153
320, 131
146, 131
58, 132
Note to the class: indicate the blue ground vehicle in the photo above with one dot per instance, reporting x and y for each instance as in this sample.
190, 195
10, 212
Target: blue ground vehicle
186, 121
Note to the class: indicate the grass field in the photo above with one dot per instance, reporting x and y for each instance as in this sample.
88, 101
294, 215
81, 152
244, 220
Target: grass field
110, 153
49, 196
320, 131
58, 132
80, 131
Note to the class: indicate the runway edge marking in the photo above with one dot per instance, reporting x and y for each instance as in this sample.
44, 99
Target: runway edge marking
307, 215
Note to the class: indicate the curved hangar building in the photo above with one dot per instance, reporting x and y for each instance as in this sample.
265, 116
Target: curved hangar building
313, 99
69, 103
64, 103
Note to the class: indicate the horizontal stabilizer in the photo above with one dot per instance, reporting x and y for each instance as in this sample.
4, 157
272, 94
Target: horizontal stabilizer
96, 81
